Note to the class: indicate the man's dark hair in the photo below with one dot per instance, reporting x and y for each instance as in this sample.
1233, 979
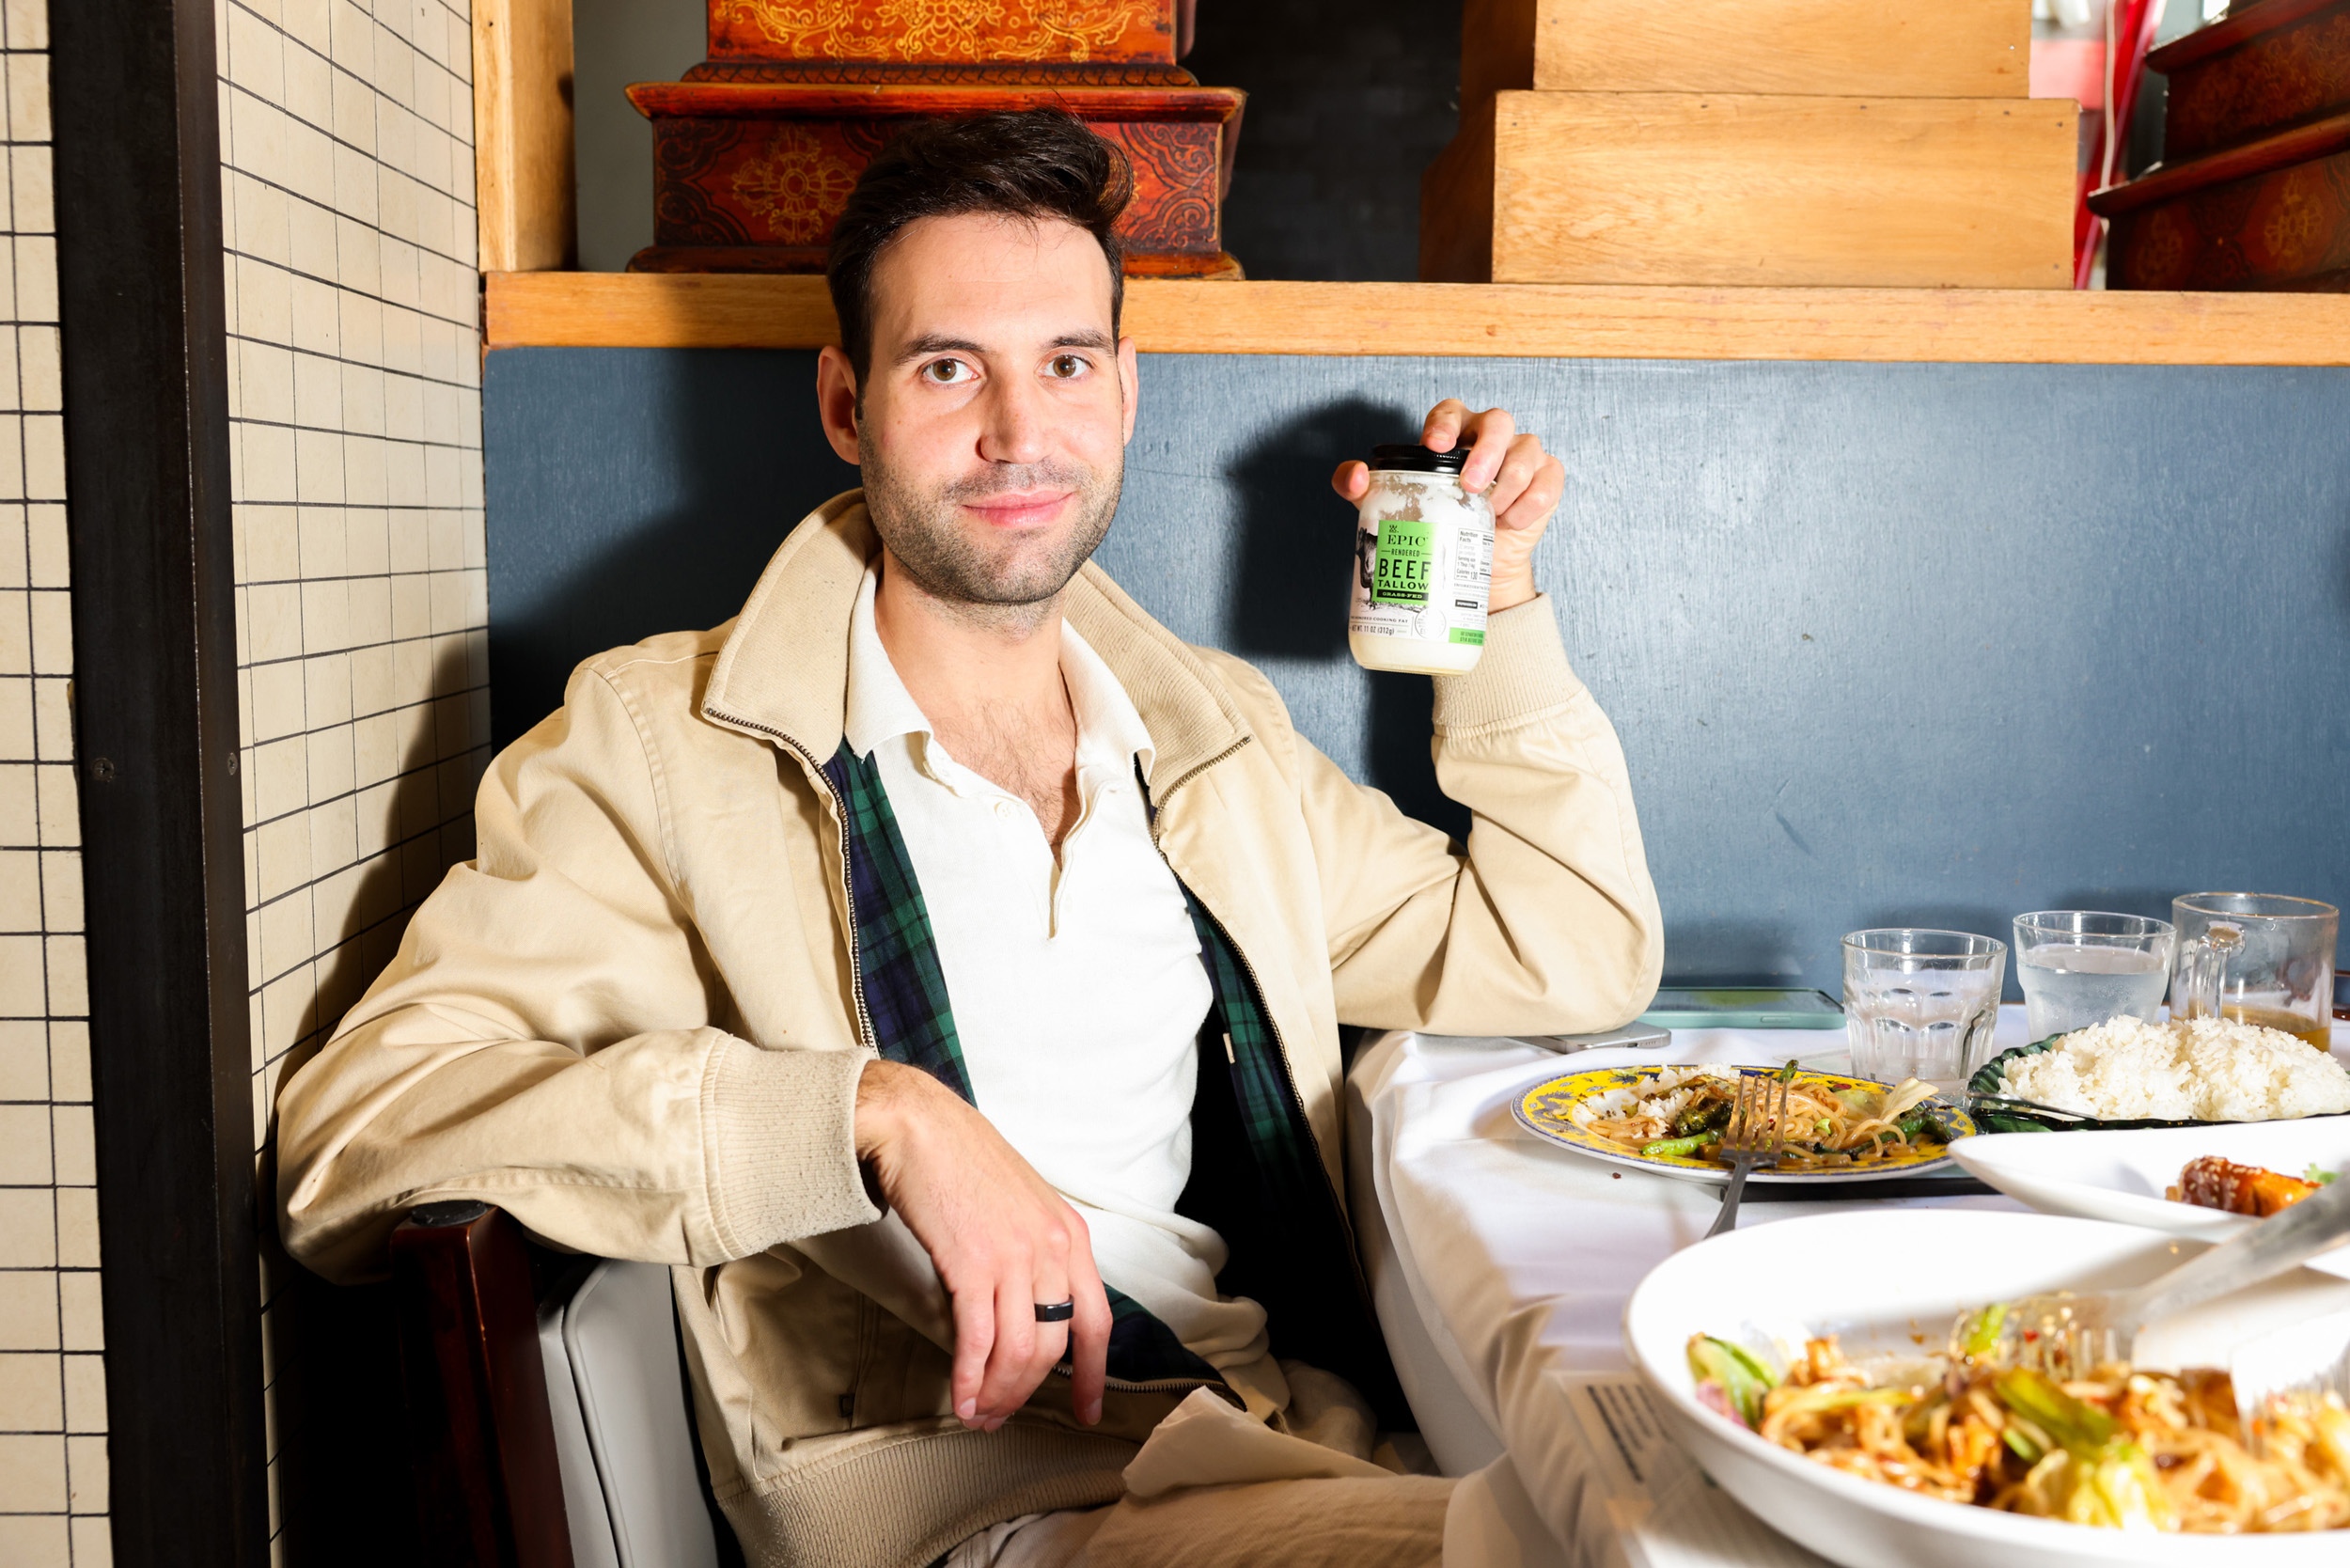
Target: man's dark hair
1030, 163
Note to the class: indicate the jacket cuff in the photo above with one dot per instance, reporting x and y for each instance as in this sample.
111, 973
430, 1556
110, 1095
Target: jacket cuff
1523, 674
780, 1132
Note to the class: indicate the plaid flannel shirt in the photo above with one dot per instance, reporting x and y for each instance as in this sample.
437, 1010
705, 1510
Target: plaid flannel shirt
914, 1023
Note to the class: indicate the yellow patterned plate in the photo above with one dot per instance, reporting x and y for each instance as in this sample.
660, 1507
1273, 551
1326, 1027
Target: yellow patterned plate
1543, 1111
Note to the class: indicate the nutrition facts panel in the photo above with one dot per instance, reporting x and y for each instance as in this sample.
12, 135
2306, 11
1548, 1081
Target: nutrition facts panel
1472, 568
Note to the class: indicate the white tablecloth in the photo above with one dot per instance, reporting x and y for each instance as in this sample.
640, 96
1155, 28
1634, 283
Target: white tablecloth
1501, 1262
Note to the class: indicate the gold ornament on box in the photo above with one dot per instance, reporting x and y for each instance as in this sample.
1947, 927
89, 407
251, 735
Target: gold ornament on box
938, 29
797, 185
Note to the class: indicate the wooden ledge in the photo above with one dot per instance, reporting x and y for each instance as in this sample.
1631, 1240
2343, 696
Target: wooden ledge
724, 310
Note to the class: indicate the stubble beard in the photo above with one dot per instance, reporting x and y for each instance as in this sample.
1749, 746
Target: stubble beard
1013, 589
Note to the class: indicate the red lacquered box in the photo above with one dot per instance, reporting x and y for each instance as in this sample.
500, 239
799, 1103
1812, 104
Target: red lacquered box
2254, 187
754, 152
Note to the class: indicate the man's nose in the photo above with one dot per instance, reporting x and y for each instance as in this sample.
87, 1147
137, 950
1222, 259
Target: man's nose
1016, 428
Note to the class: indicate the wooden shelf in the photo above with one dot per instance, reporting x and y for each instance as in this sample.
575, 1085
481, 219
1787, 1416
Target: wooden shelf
1957, 325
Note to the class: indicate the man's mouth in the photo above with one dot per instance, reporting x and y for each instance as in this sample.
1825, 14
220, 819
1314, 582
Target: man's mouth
1020, 508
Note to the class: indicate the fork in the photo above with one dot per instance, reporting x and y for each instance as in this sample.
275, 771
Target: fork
1757, 1131
2067, 1335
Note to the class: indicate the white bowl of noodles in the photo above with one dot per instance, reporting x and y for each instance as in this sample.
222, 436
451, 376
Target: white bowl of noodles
1890, 1282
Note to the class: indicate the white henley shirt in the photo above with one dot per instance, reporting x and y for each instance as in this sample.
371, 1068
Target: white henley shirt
1076, 983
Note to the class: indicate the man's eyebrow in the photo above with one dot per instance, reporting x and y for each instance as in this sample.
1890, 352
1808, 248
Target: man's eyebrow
932, 342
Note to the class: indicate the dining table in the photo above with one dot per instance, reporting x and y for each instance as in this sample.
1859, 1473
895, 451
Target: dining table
1499, 1264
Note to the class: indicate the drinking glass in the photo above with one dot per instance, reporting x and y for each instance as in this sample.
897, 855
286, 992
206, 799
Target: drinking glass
2082, 966
1921, 1004
2257, 957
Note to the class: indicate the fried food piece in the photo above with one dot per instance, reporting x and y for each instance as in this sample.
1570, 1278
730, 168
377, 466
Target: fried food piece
2212, 1183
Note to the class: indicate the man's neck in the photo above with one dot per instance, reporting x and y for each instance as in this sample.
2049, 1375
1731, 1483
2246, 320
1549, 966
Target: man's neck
972, 666
991, 686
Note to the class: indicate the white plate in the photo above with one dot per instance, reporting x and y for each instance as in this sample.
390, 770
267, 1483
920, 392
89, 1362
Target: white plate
1883, 1280
2121, 1174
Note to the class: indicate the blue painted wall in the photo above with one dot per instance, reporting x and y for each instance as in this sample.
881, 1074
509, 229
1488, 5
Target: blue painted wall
1886, 644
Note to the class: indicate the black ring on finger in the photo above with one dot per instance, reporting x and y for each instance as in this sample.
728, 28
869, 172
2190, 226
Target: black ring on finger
1057, 1311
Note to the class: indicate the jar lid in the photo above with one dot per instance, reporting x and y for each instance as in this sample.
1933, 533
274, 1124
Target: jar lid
1419, 460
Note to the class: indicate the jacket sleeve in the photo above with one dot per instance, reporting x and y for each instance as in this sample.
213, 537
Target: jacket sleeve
1549, 923
545, 1040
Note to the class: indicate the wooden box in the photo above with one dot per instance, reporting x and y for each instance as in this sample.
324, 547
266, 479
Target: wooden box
2266, 68
756, 151
1942, 49
750, 176
1724, 188
2274, 214
1072, 32
2254, 187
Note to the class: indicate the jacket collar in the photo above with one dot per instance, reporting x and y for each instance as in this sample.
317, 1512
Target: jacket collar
783, 671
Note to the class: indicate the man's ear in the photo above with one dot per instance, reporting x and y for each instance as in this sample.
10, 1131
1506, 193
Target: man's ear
835, 402
1129, 383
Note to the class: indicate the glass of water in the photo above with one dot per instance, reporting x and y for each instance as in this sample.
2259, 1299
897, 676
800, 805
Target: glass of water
1921, 1004
2082, 966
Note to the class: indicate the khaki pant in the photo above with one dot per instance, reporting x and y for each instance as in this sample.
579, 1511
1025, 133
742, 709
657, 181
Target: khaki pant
1396, 1522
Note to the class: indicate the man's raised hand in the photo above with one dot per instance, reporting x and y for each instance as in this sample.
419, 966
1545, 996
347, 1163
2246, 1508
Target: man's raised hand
1527, 483
1002, 1238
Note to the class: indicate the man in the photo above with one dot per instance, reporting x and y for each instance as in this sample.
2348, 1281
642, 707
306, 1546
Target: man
942, 965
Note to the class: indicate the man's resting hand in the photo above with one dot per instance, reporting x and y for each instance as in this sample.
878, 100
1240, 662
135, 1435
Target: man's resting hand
1002, 1238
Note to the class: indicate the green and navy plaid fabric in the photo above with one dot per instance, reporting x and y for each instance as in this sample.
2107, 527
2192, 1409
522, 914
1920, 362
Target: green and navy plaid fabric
1303, 1271
1144, 1350
1259, 1079
905, 991
914, 1022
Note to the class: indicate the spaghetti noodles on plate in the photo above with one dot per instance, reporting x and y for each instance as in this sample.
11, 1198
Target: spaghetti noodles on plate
2123, 1448
1681, 1111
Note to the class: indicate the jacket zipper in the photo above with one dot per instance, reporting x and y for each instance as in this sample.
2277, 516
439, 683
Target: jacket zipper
848, 892
1289, 1078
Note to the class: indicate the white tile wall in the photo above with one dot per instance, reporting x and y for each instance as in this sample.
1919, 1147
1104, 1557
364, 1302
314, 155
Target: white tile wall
354, 384
52, 1403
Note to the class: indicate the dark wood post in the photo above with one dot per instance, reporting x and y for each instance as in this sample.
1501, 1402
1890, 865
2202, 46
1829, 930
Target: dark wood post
490, 1492
134, 97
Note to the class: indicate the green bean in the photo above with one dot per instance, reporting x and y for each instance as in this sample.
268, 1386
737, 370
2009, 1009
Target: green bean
1678, 1147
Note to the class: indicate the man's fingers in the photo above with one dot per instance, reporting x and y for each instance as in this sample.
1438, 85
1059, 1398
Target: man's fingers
1540, 499
1443, 426
1495, 431
1350, 480
1089, 1345
1518, 470
1003, 1391
975, 1339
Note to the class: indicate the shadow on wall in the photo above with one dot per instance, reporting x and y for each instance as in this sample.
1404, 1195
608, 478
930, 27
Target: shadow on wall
341, 1446
726, 457
1296, 561
2341, 573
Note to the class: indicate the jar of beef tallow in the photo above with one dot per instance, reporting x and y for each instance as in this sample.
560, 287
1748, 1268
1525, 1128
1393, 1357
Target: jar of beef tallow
1423, 565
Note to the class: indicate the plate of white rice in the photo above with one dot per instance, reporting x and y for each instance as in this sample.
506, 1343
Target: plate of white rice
2127, 1071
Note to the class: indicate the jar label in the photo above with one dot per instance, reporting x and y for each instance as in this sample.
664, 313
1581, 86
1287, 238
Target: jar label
1406, 559
1425, 578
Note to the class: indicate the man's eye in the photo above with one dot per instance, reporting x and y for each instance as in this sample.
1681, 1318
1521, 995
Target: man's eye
947, 372
1068, 364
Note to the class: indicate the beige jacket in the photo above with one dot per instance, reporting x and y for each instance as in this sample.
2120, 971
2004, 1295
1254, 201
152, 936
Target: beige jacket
632, 1020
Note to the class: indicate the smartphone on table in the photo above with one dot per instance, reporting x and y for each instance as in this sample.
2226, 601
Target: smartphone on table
1743, 1007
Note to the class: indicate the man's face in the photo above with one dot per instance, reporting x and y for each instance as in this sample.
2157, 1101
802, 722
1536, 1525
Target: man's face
996, 408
